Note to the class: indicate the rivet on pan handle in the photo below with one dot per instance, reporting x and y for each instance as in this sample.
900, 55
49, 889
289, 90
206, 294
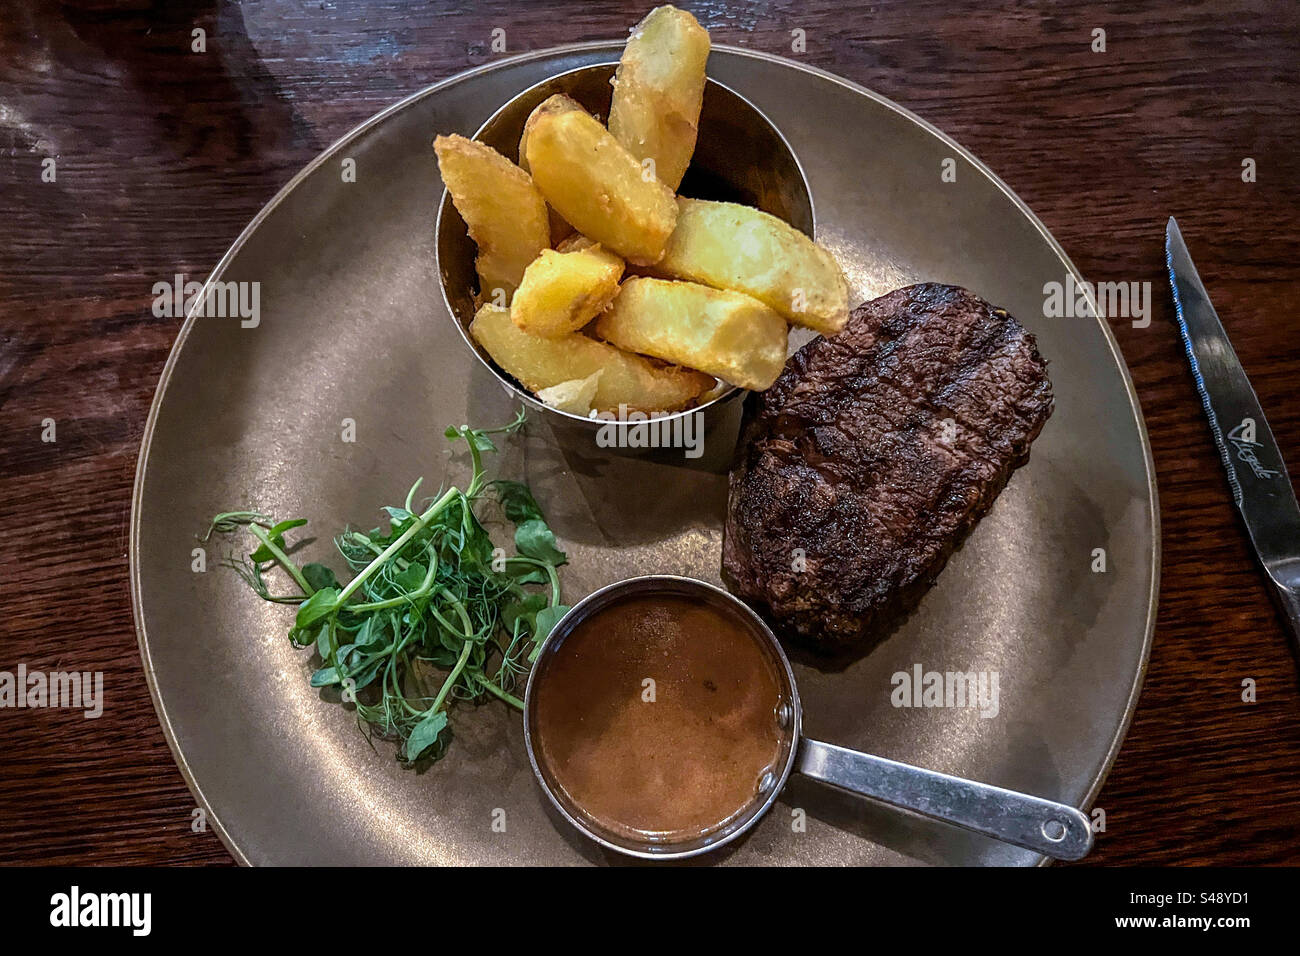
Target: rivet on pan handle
1044, 826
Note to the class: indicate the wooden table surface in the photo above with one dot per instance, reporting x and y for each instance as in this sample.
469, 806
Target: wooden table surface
162, 155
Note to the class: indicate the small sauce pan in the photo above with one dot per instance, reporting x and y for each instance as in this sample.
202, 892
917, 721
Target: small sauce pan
1036, 824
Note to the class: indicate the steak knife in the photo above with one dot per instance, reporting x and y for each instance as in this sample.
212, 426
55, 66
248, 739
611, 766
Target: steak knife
1261, 487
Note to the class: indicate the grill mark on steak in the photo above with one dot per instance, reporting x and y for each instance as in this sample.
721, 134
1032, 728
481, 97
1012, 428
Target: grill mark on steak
844, 458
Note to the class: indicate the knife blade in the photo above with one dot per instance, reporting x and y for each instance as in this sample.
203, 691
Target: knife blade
1257, 475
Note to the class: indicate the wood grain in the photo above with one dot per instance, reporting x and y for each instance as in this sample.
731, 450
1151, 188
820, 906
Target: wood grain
164, 154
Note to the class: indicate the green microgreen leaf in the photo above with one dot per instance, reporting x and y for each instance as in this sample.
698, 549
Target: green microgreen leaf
547, 618
536, 540
425, 734
320, 604
276, 534
325, 677
320, 576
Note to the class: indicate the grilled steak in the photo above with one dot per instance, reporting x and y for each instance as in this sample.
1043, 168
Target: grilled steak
874, 454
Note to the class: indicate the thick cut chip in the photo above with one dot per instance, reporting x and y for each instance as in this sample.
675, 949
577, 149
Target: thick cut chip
595, 184
574, 397
559, 228
625, 379
574, 243
563, 291
729, 246
504, 211
658, 91
727, 334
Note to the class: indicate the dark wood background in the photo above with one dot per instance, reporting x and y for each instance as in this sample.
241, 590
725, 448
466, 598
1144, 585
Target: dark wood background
163, 155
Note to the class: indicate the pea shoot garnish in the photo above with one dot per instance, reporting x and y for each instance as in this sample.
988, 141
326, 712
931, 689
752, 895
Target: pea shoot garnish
433, 613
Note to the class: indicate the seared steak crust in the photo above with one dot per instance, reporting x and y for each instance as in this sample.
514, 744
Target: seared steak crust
874, 454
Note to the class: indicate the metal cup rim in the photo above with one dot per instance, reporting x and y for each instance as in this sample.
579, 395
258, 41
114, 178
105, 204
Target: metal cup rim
665, 583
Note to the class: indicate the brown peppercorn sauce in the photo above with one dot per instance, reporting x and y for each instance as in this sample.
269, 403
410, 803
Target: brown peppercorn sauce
666, 761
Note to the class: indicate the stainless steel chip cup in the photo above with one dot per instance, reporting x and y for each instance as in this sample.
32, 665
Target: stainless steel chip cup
740, 156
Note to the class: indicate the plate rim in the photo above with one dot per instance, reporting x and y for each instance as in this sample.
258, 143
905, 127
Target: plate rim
164, 379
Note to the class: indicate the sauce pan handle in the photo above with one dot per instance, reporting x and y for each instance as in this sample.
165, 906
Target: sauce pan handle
1043, 826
